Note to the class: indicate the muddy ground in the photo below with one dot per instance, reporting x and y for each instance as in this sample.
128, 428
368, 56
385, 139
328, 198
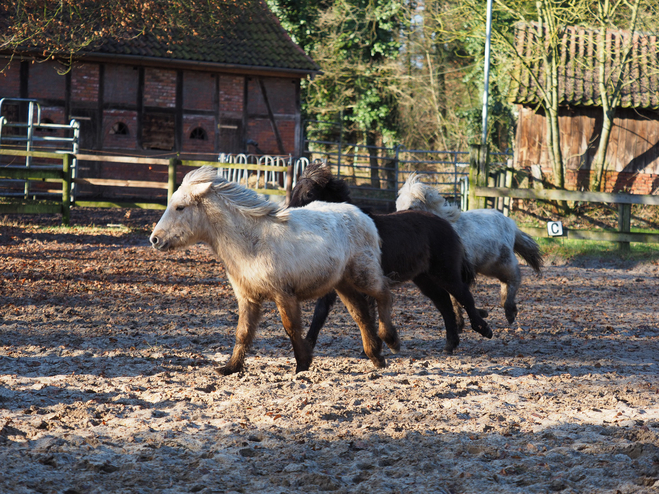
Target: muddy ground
107, 382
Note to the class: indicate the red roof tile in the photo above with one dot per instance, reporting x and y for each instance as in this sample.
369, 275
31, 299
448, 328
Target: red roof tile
226, 32
579, 68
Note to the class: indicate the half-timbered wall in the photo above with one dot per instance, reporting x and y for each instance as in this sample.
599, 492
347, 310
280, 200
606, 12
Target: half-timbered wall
632, 154
148, 110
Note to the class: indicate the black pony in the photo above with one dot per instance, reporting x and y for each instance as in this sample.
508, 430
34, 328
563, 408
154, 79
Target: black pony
416, 246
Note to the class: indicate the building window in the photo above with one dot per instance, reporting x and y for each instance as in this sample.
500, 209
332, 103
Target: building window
119, 129
46, 129
198, 133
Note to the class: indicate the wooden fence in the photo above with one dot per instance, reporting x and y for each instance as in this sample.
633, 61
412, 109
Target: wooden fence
239, 172
479, 177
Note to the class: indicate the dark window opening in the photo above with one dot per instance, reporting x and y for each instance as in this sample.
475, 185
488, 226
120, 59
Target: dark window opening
119, 129
199, 134
46, 129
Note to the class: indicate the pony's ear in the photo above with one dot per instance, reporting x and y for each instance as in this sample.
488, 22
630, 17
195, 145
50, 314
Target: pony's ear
197, 191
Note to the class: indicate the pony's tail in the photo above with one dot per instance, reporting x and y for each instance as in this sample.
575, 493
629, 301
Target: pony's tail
529, 250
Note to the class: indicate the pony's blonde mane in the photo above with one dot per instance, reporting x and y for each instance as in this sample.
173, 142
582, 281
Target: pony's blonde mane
243, 200
427, 198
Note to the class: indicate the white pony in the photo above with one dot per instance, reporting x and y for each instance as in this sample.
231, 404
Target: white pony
490, 240
285, 255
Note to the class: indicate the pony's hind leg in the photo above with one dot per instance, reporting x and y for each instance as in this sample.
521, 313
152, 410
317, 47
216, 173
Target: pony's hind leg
457, 310
249, 314
508, 293
320, 313
442, 301
359, 309
510, 277
386, 329
289, 311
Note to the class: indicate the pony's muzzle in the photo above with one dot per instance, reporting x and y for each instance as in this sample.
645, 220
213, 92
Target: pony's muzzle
157, 242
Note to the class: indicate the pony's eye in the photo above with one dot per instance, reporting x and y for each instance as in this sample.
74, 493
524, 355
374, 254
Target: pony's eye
180, 208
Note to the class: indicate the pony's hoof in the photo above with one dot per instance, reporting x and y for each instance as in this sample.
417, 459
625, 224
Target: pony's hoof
394, 346
448, 349
302, 367
226, 370
379, 362
487, 333
483, 313
511, 314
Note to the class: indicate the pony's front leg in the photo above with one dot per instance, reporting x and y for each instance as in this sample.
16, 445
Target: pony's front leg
478, 324
289, 311
249, 314
442, 301
359, 309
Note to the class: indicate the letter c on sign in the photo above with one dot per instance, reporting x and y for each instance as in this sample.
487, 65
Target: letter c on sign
554, 228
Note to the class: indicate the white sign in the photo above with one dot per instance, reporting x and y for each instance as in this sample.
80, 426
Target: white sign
555, 228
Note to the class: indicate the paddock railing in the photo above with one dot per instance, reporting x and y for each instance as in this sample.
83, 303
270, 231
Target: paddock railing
41, 173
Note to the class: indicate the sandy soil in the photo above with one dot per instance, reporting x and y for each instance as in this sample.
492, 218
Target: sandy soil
107, 383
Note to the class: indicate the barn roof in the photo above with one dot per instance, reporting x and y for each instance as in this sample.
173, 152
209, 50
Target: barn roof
236, 33
579, 68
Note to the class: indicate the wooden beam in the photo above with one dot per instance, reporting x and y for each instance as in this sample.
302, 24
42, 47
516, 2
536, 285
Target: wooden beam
122, 159
239, 166
595, 235
35, 208
566, 195
35, 173
108, 204
108, 182
33, 154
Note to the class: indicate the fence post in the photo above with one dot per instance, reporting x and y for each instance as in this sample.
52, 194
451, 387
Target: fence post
171, 182
66, 189
290, 171
508, 183
624, 224
397, 166
478, 173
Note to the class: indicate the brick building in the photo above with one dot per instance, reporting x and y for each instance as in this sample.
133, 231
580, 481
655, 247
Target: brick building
233, 91
632, 159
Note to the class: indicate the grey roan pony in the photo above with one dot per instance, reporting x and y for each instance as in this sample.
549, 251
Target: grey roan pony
490, 239
416, 246
283, 255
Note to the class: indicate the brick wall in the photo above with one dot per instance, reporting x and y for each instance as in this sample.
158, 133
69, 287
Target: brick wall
121, 84
260, 130
231, 94
84, 83
198, 90
197, 146
635, 183
160, 88
114, 141
45, 83
10, 81
280, 92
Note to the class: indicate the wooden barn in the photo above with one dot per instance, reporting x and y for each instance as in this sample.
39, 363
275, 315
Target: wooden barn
231, 86
633, 152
